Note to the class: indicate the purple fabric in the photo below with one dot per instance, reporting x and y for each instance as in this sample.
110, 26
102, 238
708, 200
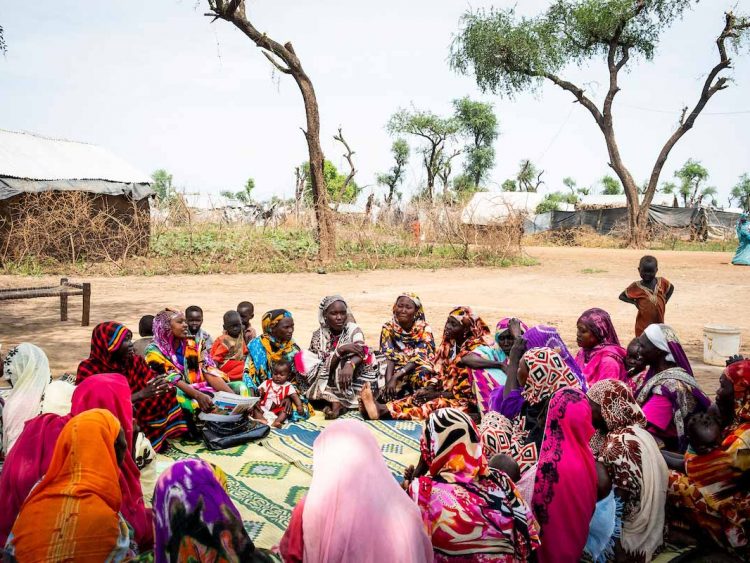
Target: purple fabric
509, 406
600, 324
547, 337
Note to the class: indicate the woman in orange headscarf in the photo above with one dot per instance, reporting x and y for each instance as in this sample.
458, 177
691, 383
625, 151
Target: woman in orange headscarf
73, 513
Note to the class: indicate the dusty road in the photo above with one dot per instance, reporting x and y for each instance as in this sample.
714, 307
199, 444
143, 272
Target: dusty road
566, 282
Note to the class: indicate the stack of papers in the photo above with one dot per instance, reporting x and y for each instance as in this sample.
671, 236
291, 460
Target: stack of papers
235, 404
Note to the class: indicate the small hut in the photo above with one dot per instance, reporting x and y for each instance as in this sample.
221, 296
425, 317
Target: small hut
69, 200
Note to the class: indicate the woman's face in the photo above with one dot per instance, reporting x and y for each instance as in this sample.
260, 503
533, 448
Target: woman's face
650, 354
505, 341
725, 396
335, 316
125, 351
406, 312
634, 361
585, 337
283, 331
454, 330
179, 326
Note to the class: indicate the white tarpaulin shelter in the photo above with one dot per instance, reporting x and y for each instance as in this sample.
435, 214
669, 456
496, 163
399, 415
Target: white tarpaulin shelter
487, 208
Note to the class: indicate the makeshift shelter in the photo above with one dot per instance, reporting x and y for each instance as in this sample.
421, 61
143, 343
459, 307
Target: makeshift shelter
69, 200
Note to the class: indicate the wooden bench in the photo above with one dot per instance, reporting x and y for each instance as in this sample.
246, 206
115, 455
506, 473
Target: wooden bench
64, 290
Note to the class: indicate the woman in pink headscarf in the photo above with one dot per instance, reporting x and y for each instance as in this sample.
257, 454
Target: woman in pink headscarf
354, 510
601, 356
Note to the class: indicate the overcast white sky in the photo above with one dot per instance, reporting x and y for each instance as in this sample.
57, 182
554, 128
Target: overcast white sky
157, 84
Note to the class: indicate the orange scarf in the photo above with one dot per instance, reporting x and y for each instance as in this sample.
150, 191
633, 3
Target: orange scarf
72, 514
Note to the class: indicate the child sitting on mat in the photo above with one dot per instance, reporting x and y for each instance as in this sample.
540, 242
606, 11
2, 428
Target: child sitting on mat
275, 395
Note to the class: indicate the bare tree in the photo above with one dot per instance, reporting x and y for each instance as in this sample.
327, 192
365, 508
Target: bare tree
352, 171
300, 178
285, 60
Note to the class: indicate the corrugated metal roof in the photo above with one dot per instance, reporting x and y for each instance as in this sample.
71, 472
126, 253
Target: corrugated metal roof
33, 157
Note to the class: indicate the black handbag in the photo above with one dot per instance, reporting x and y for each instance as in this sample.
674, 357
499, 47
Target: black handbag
222, 432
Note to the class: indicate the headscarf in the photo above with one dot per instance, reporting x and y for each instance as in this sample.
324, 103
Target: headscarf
634, 463
739, 374
414, 345
566, 481
72, 514
264, 350
355, 510
164, 337
26, 463
503, 326
606, 360
600, 324
469, 509
548, 372
195, 518
542, 336
323, 335
110, 391
521, 437
478, 335
665, 339
27, 368
106, 339
57, 397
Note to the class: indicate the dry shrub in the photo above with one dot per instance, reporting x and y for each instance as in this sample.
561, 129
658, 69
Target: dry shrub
71, 227
577, 236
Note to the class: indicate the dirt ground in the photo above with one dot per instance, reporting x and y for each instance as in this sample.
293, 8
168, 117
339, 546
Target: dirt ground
566, 282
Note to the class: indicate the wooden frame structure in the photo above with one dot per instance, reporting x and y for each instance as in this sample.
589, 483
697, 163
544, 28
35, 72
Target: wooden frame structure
63, 291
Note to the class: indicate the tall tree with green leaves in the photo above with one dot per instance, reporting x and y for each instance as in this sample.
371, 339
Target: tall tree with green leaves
339, 190
395, 175
434, 131
478, 124
509, 54
610, 185
162, 185
571, 184
529, 177
509, 186
741, 193
693, 176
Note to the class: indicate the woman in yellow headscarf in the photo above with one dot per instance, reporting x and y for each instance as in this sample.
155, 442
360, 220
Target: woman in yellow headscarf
73, 514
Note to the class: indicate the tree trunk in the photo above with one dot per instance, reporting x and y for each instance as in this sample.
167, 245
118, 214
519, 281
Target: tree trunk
326, 228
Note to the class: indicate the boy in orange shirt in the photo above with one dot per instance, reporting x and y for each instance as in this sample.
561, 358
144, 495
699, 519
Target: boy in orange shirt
649, 295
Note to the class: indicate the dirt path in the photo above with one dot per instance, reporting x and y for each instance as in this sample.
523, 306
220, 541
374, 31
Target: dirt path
566, 282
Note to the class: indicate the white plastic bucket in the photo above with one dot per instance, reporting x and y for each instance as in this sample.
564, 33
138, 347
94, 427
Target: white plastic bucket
719, 343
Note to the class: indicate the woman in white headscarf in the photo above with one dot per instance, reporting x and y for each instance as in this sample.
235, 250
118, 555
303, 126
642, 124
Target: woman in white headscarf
27, 369
670, 394
342, 361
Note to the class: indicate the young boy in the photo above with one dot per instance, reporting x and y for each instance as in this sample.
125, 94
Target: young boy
247, 312
649, 295
229, 350
194, 318
146, 331
273, 394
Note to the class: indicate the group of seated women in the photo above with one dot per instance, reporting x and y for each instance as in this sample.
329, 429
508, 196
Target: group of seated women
528, 452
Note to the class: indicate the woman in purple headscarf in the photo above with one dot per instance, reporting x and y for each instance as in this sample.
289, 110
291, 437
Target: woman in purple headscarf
670, 393
601, 356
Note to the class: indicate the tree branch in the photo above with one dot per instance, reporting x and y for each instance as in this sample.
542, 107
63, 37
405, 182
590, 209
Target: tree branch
711, 86
579, 94
276, 63
348, 156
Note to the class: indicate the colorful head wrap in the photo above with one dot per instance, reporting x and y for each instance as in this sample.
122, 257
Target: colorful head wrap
504, 326
325, 303
452, 448
272, 318
542, 336
600, 324
195, 518
619, 407
547, 373
164, 338
665, 339
420, 316
739, 374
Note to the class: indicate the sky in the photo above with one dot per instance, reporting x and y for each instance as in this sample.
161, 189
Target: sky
158, 84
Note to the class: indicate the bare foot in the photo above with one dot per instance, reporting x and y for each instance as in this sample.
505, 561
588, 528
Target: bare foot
277, 425
369, 402
334, 411
362, 410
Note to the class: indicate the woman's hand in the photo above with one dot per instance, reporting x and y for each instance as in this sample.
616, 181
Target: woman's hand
346, 375
409, 473
288, 406
425, 395
519, 347
356, 348
157, 386
388, 393
514, 326
205, 402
